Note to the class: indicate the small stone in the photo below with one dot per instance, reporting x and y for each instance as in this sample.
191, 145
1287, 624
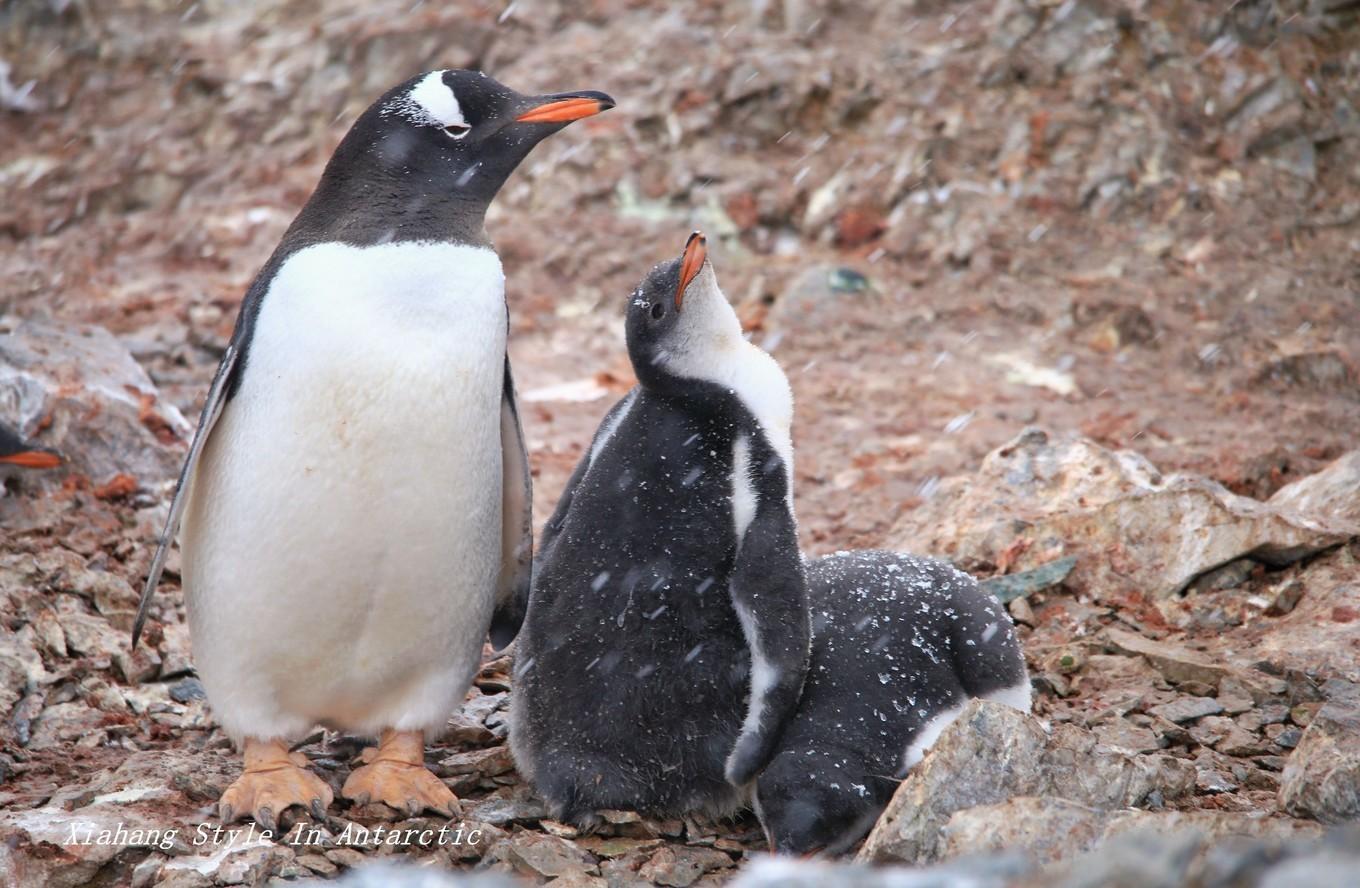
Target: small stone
682, 867
1233, 697
1022, 612
1198, 689
1285, 597
1240, 743
538, 854
1302, 714
579, 880
375, 811
1257, 778
617, 846
500, 811
559, 829
463, 731
185, 878
1273, 713
475, 840
148, 871
1285, 738
317, 863
1123, 735
1176, 664
1168, 733
1210, 780
187, 690
620, 817
1212, 730
1186, 709
346, 857
487, 762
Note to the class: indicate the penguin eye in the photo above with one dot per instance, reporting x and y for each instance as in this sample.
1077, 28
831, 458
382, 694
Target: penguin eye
457, 131
659, 310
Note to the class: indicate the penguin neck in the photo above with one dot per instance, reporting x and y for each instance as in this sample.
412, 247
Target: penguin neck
367, 211
693, 368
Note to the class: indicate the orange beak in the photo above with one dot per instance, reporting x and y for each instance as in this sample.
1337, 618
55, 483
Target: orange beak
565, 109
691, 263
32, 459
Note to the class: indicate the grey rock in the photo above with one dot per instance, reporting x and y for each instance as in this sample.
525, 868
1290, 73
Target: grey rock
1045, 829
487, 762
106, 416
1211, 781
539, 855
992, 754
35, 842
1167, 530
1331, 495
1322, 778
499, 811
1187, 709
1182, 666
680, 867
186, 690
1141, 859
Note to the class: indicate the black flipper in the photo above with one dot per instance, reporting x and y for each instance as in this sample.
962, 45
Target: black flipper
769, 590
517, 524
212, 411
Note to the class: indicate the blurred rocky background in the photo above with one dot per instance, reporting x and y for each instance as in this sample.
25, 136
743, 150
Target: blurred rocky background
1068, 292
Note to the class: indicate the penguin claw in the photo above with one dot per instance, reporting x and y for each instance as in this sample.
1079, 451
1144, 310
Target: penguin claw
404, 786
271, 783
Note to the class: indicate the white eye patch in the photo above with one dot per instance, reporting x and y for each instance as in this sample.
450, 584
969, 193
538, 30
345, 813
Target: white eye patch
429, 103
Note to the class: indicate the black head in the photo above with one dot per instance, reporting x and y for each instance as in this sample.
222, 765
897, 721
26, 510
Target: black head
426, 159
679, 324
808, 810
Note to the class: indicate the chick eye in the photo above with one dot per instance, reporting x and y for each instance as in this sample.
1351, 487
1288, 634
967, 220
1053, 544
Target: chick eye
457, 131
659, 310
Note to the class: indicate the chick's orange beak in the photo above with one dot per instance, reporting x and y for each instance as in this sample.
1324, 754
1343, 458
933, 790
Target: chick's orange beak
691, 263
565, 109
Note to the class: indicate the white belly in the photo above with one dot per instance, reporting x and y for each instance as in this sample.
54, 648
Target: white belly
342, 536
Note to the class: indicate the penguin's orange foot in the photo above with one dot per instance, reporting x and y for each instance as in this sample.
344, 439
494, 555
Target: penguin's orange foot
273, 781
396, 776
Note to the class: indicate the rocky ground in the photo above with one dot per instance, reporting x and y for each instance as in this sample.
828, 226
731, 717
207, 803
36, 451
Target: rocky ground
1066, 292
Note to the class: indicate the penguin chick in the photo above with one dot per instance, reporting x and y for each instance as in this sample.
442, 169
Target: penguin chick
900, 644
356, 498
667, 635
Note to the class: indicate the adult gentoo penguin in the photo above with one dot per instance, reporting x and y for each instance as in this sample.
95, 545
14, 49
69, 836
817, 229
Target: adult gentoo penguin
15, 451
667, 635
900, 644
356, 499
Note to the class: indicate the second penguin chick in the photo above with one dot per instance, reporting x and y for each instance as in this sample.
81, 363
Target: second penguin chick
900, 645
